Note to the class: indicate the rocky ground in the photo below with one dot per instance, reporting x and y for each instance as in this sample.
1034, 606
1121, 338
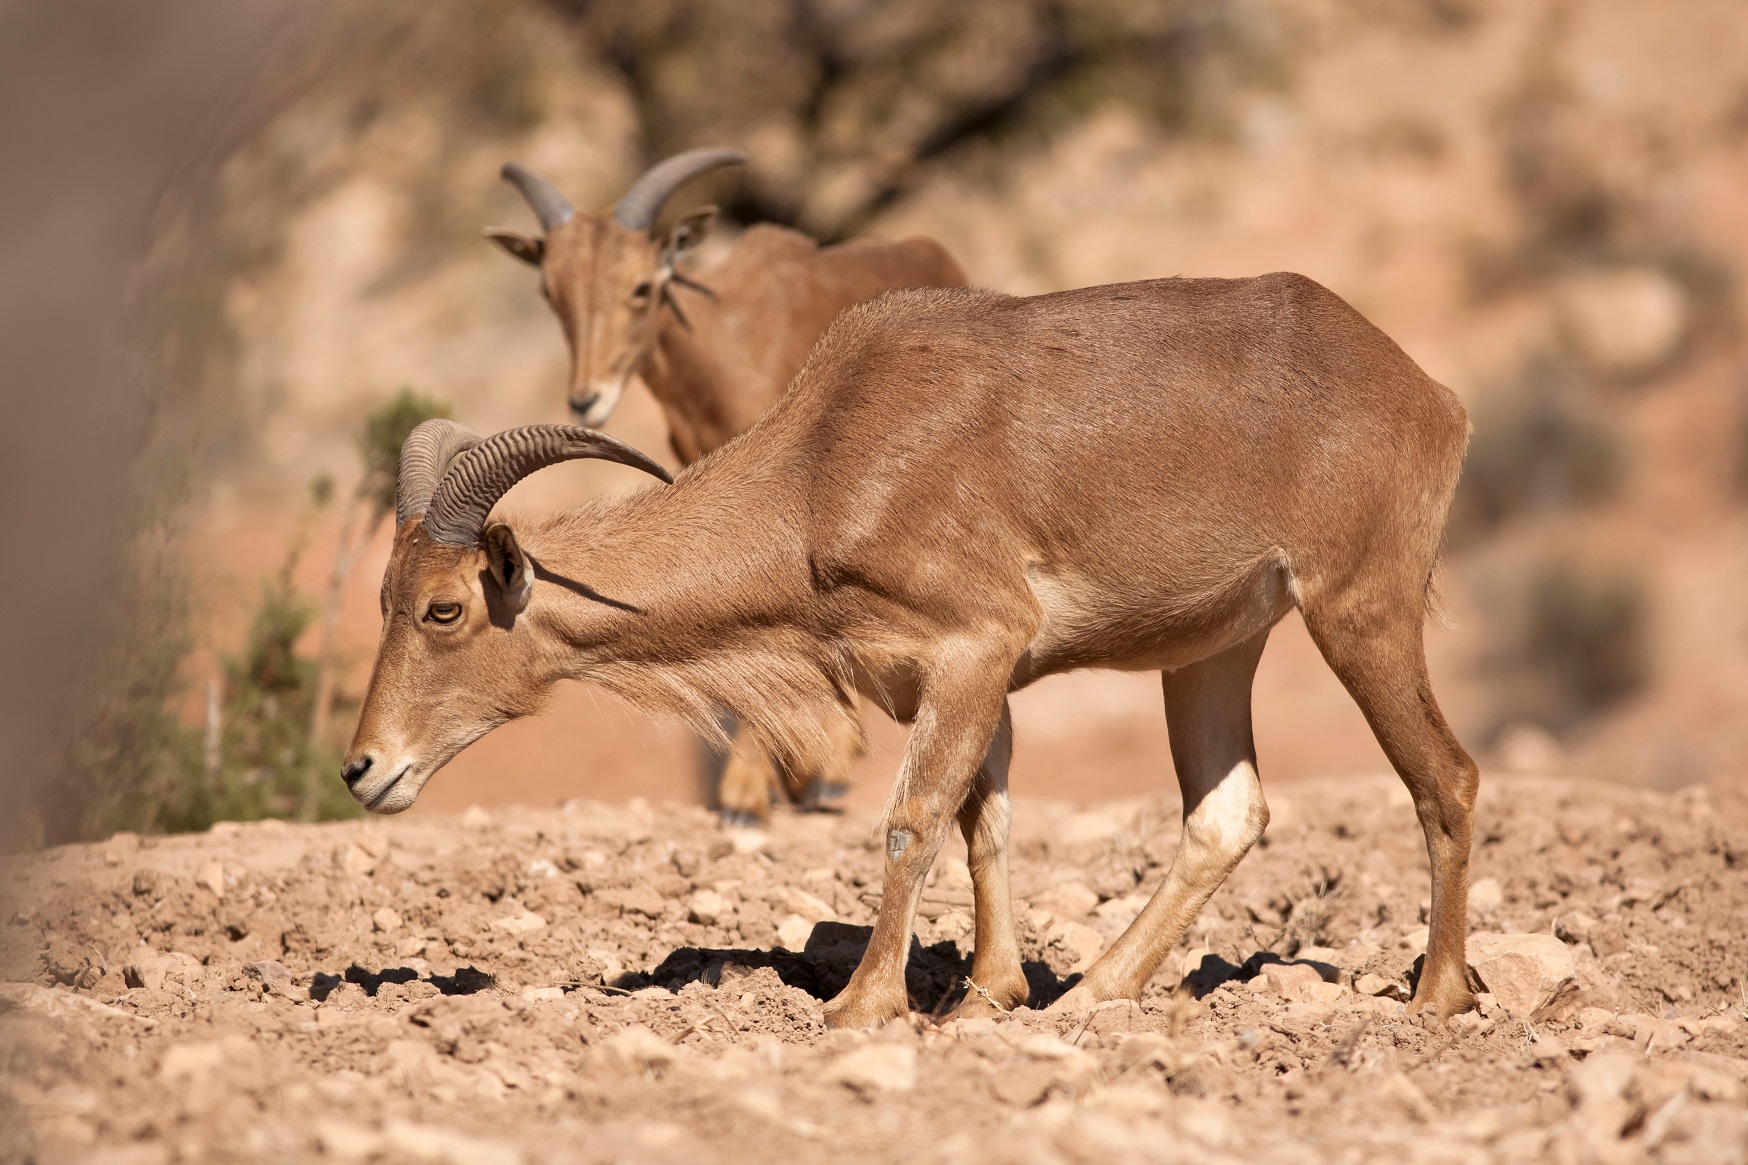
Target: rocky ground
631, 983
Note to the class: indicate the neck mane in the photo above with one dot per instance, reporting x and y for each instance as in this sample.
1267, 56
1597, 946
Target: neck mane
694, 599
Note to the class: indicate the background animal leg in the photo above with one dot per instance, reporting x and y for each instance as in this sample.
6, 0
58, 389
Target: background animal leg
1207, 706
998, 982
823, 786
748, 779
1376, 649
953, 731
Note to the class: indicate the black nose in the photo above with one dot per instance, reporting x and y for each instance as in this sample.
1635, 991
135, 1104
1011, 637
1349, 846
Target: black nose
354, 772
580, 408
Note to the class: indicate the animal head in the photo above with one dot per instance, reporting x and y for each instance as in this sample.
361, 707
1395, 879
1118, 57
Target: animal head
457, 656
607, 276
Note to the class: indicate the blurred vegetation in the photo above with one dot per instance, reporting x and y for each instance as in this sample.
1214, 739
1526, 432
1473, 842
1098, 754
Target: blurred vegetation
266, 748
1539, 445
1572, 639
848, 100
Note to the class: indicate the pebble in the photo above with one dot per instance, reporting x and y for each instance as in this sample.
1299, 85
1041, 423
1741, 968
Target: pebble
524, 923
706, 907
876, 1067
1524, 972
793, 933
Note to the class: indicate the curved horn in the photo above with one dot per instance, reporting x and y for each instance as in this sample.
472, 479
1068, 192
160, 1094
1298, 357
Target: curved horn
550, 207
425, 454
644, 201
486, 472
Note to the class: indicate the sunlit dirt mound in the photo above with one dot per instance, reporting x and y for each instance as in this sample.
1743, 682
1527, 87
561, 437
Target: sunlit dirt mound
632, 983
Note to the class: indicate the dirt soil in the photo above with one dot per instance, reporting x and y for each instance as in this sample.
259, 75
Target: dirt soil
595, 983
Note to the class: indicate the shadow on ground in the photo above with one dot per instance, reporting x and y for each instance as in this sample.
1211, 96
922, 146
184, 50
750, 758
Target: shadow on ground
465, 981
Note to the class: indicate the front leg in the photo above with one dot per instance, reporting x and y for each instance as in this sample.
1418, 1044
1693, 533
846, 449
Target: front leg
954, 728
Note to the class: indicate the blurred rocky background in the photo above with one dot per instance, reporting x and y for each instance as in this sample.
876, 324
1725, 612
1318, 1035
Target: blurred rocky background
1541, 200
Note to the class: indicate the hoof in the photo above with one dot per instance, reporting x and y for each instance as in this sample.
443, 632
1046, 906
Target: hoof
739, 819
825, 797
863, 1013
1439, 1006
1075, 1004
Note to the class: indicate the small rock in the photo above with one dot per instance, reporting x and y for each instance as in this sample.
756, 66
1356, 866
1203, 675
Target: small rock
1468, 1023
1297, 983
793, 932
1400, 1091
473, 817
212, 876
428, 1143
1377, 985
1022, 1085
746, 841
385, 920
642, 900
809, 906
354, 862
202, 1057
1593, 1019
524, 923
706, 907
875, 1068
410, 948
608, 963
1082, 942
632, 1051
542, 994
1486, 895
146, 968
1525, 972
1122, 910
1204, 1122
1044, 1046
1069, 900
373, 841
1600, 1078
345, 1140
1574, 926
267, 971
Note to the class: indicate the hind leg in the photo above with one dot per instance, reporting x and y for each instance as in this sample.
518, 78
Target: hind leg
1207, 706
999, 982
1374, 645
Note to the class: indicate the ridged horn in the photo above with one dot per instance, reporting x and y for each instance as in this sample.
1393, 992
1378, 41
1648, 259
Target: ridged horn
486, 472
644, 201
425, 455
549, 206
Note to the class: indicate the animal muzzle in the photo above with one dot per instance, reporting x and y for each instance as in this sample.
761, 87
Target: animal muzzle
592, 407
382, 785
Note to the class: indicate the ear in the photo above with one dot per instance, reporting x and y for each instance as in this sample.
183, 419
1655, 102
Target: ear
529, 250
509, 566
687, 233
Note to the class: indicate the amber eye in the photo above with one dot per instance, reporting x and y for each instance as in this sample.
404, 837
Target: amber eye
640, 293
443, 611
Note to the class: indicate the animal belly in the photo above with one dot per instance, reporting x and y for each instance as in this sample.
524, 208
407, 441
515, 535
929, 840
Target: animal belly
1086, 625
